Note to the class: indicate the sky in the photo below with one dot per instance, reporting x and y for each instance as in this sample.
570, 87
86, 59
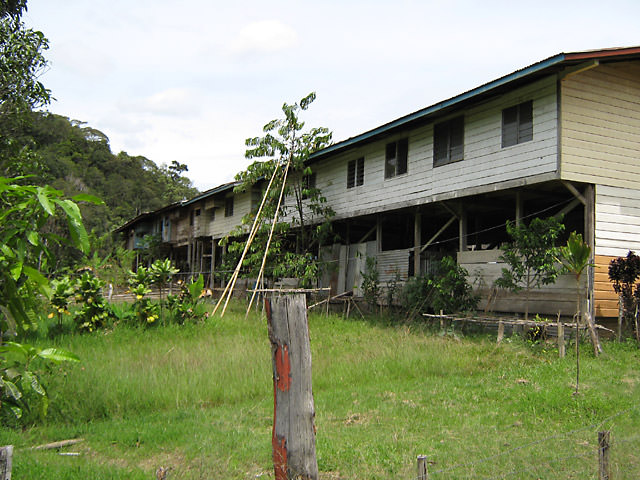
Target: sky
191, 80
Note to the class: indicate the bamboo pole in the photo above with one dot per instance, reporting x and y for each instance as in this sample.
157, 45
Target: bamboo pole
273, 226
252, 234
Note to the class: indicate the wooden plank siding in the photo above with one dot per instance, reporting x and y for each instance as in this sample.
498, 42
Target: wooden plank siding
617, 220
600, 144
605, 299
600, 125
221, 225
485, 162
485, 268
393, 262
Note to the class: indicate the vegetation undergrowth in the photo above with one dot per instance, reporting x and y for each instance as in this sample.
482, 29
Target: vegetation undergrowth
198, 398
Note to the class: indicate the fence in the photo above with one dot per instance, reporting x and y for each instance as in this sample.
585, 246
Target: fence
604, 450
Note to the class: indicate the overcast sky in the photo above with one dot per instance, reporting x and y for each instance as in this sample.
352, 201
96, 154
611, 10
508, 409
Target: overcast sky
190, 80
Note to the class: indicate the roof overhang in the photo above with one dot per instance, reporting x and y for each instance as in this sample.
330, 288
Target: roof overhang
529, 74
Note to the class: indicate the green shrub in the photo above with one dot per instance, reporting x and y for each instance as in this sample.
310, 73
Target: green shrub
94, 312
23, 396
371, 282
188, 304
447, 289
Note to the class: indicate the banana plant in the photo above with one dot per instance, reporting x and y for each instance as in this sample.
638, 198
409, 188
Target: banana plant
161, 272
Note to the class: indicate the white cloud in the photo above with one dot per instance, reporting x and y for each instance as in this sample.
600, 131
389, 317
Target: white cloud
171, 102
265, 36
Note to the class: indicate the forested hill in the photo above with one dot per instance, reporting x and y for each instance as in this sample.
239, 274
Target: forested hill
76, 158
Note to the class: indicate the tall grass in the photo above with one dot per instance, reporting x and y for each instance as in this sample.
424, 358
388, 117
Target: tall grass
199, 398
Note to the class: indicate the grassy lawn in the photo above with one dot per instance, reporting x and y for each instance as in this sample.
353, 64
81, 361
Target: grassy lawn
199, 399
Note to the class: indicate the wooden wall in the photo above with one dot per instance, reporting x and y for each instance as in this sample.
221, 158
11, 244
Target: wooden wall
393, 262
222, 225
617, 220
484, 268
606, 300
600, 124
485, 162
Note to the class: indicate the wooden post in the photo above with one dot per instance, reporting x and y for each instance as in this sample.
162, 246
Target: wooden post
417, 240
423, 472
293, 435
462, 230
561, 346
603, 455
620, 318
518, 209
500, 331
6, 459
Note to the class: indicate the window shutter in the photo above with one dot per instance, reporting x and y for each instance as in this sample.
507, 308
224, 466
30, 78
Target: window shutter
457, 139
360, 171
351, 173
525, 127
390, 160
403, 151
440, 143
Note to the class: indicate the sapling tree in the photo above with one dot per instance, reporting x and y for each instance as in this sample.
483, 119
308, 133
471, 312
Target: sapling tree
304, 216
371, 283
530, 256
575, 257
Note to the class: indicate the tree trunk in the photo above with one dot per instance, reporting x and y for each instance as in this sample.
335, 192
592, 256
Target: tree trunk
595, 340
293, 436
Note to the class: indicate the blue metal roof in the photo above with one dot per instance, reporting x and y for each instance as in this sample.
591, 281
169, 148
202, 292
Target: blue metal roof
221, 188
439, 107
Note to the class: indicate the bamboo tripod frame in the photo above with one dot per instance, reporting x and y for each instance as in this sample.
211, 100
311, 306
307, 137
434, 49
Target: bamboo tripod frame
228, 291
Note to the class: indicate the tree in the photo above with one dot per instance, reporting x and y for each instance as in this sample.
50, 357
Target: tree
21, 63
575, 256
531, 256
25, 251
624, 272
303, 219
25, 245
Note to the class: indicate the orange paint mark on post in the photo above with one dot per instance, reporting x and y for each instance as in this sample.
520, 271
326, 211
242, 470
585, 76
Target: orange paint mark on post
283, 368
279, 457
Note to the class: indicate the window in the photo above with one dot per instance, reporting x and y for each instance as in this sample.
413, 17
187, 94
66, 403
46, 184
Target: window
355, 172
308, 183
192, 215
448, 141
517, 124
228, 207
256, 198
395, 162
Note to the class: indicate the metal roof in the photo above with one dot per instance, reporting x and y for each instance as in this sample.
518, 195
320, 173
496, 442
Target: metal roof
528, 74
525, 75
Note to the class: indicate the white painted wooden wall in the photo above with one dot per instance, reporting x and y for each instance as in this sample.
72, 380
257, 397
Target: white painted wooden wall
485, 161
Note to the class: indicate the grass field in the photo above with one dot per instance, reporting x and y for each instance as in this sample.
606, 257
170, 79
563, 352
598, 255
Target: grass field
199, 399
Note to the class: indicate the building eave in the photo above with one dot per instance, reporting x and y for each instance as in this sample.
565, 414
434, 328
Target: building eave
531, 73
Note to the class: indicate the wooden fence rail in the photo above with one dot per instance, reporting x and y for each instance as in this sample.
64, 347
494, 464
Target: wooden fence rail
604, 451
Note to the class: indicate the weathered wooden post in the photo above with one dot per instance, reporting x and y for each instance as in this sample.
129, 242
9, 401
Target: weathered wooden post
423, 472
603, 455
561, 345
500, 331
6, 459
293, 436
